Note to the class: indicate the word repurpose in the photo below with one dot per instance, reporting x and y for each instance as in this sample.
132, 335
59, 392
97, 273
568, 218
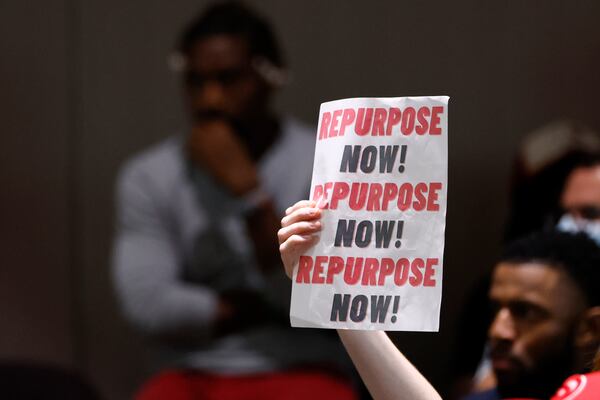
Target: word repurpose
381, 121
367, 271
378, 196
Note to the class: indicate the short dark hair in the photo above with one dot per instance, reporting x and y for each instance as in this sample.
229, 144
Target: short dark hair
574, 253
233, 18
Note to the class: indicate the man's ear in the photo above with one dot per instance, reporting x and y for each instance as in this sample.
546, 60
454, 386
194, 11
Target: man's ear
588, 332
275, 76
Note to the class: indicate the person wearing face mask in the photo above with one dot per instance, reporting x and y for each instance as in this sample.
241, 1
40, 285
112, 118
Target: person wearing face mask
545, 159
196, 263
580, 199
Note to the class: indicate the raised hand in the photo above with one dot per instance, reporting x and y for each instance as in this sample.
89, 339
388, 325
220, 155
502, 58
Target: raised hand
299, 231
214, 146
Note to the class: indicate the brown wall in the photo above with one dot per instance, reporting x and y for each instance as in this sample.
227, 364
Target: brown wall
85, 84
35, 179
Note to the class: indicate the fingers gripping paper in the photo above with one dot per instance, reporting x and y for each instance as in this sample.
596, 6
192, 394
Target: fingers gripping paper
380, 176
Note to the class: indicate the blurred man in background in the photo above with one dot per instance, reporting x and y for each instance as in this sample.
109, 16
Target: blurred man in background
196, 260
545, 159
546, 320
580, 199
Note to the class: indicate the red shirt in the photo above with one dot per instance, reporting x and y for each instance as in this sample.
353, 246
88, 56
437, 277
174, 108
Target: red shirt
580, 387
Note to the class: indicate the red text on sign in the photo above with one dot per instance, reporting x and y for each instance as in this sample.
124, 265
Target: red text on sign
381, 121
367, 271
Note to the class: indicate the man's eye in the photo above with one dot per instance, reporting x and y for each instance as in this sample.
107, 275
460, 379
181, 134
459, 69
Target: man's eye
230, 77
525, 311
194, 80
590, 212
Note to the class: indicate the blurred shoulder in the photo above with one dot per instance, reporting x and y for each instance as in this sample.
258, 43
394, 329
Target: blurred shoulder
298, 133
158, 164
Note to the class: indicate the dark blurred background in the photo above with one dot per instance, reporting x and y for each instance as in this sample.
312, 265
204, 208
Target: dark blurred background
84, 84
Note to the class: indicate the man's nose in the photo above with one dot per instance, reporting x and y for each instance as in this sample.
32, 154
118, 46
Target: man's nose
503, 326
211, 96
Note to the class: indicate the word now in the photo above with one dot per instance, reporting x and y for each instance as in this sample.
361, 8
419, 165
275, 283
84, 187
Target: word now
366, 271
342, 307
368, 158
377, 197
381, 121
361, 234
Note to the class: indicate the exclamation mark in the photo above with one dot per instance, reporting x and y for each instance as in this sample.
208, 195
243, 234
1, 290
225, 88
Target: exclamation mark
402, 158
399, 233
395, 308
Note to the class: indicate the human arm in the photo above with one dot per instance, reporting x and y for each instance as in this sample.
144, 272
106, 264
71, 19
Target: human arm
147, 266
214, 146
383, 368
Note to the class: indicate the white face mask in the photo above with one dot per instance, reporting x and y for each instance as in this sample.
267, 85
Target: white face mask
569, 224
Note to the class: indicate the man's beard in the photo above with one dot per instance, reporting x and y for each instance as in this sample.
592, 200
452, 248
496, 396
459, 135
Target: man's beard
544, 380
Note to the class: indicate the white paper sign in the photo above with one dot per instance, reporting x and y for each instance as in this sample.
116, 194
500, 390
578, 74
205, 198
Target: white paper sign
380, 176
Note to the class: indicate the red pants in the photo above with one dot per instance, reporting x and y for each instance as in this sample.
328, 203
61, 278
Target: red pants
294, 385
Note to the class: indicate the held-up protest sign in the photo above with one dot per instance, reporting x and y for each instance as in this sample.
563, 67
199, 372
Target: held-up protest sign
380, 176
